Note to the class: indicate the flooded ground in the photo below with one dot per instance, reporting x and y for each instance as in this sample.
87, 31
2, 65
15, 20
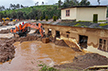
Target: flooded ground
29, 53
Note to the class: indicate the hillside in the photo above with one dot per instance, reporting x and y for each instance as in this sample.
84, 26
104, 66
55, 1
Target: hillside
32, 12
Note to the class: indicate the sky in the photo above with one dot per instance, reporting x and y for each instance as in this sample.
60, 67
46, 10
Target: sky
7, 3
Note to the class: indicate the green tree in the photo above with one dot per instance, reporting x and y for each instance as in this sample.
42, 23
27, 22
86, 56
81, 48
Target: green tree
1, 15
20, 15
70, 3
84, 3
13, 14
18, 6
59, 3
98, 1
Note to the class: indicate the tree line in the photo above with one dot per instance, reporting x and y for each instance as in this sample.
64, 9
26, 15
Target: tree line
32, 12
70, 3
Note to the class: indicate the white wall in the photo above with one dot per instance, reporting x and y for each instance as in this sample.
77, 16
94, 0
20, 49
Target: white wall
86, 14
72, 14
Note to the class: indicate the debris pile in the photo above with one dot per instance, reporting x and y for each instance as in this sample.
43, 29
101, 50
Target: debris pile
5, 23
84, 61
45, 40
7, 51
60, 43
4, 31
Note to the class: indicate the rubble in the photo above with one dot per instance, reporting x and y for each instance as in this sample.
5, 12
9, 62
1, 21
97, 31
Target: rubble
7, 51
45, 40
60, 43
4, 31
84, 61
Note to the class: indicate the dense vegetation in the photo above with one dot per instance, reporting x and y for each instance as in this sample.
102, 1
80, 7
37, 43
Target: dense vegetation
32, 12
43, 11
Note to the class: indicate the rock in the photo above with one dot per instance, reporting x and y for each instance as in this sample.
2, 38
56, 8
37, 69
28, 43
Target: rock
45, 40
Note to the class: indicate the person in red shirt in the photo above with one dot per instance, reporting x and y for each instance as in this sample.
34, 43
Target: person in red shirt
22, 23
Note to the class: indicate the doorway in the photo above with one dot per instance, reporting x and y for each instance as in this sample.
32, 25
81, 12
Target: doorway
49, 32
58, 34
95, 18
83, 41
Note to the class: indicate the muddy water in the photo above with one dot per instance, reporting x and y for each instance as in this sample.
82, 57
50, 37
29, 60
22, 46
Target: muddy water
29, 53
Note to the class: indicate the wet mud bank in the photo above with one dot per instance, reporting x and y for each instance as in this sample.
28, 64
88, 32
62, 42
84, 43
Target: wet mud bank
84, 61
7, 49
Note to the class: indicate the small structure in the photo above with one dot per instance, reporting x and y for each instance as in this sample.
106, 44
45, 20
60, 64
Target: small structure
84, 13
88, 36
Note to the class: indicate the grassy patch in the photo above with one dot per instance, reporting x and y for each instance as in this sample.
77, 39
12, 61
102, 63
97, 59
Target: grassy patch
103, 24
44, 67
102, 21
83, 21
79, 25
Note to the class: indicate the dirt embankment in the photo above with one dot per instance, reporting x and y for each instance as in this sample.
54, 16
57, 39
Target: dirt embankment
84, 61
7, 50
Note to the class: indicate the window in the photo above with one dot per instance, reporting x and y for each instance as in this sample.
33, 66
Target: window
103, 44
67, 12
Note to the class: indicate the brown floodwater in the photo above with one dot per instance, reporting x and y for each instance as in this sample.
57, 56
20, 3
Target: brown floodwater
28, 54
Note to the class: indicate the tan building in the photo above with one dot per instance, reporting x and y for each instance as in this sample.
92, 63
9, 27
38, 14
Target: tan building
84, 13
93, 39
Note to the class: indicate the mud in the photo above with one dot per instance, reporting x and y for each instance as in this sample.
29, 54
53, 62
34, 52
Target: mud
7, 49
84, 61
4, 31
29, 53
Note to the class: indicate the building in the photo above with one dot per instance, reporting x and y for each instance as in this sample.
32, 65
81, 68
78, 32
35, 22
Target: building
91, 37
84, 13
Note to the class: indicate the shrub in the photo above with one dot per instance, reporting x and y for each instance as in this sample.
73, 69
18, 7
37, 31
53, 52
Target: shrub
41, 18
102, 21
57, 17
46, 18
103, 24
44, 67
36, 18
79, 25
54, 18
